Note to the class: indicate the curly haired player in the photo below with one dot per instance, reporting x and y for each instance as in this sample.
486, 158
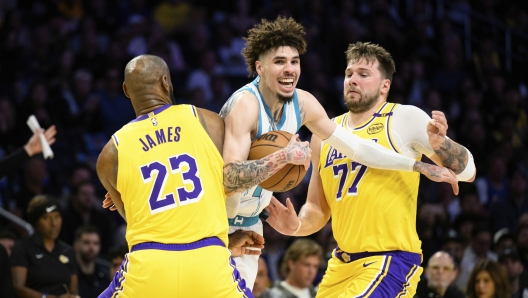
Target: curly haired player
272, 102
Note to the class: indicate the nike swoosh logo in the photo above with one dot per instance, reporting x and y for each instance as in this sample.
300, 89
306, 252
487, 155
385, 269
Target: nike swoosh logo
49, 209
39, 256
368, 264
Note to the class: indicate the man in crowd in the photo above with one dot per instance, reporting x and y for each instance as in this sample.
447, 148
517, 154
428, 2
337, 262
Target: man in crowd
440, 273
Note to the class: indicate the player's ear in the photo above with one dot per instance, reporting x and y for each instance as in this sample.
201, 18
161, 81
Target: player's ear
385, 86
125, 90
258, 67
165, 83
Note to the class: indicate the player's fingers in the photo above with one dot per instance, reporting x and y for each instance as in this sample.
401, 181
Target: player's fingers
455, 188
51, 141
440, 113
257, 238
289, 205
113, 208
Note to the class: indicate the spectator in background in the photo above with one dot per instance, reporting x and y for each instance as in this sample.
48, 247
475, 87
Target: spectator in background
517, 275
41, 264
505, 213
32, 147
488, 280
93, 272
494, 186
440, 273
7, 240
36, 182
503, 239
173, 15
299, 265
454, 247
430, 228
6, 280
85, 209
262, 282
478, 250
112, 99
116, 255
522, 243
201, 77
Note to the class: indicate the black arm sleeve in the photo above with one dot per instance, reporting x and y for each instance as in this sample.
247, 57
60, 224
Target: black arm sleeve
13, 161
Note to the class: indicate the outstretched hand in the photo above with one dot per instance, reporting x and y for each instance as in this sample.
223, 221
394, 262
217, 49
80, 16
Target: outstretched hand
33, 146
282, 218
108, 203
245, 243
438, 174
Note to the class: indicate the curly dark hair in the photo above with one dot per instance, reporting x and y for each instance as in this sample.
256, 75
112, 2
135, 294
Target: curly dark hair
372, 52
270, 35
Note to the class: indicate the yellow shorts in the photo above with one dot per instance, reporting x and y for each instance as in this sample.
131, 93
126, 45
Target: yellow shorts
394, 274
207, 271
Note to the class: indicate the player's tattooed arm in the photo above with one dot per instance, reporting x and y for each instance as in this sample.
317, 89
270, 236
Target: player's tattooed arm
239, 176
228, 106
242, 175
437, 174
452, 155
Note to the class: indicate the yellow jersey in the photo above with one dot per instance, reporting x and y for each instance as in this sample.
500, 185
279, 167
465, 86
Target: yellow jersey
372, 210
170, 177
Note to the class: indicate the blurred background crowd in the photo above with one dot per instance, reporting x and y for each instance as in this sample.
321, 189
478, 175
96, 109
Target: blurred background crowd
63, 62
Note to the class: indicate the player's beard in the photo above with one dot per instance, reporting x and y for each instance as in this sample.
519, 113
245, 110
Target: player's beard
365, 103
171, 96
285, 99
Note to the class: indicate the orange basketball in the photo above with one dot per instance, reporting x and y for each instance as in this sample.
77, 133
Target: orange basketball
290, 175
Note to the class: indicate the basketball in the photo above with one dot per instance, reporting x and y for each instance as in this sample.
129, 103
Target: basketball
290, 175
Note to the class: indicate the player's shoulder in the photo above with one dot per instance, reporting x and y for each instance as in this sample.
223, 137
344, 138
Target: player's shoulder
303, 94
242, 102
408, 111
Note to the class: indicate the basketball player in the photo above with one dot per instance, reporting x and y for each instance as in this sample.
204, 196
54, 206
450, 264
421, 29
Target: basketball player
272, 102
163, 171
373, 211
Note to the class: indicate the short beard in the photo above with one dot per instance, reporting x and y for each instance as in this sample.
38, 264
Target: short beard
364, 103
172, 97
285, 99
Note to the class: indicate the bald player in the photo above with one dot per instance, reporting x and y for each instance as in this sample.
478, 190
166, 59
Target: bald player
164, 171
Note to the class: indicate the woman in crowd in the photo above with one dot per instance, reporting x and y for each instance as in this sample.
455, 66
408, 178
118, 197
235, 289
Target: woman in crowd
488, 280
42, 265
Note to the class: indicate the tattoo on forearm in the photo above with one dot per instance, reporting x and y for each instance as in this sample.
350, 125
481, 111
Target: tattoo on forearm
230, 104
246, 174
453, 156
426, 168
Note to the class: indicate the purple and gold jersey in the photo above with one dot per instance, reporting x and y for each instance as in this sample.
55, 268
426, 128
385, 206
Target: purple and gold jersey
372, 210
170, 177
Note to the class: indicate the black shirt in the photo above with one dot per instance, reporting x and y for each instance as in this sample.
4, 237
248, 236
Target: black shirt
94, 284
47, 272
6, 283
423, 291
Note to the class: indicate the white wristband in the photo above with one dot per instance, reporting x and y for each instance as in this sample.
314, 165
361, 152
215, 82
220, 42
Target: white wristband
298, 228
470, 169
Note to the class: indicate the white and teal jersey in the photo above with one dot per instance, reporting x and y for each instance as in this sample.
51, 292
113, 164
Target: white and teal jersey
255, 199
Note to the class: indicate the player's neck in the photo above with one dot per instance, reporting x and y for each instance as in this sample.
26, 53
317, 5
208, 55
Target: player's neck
356, 119
272, 101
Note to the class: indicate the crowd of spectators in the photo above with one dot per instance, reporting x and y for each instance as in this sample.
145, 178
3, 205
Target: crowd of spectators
63, 62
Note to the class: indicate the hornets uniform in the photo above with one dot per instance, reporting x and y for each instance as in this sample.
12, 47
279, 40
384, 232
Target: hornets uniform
170, 177
255, 199
373, 219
